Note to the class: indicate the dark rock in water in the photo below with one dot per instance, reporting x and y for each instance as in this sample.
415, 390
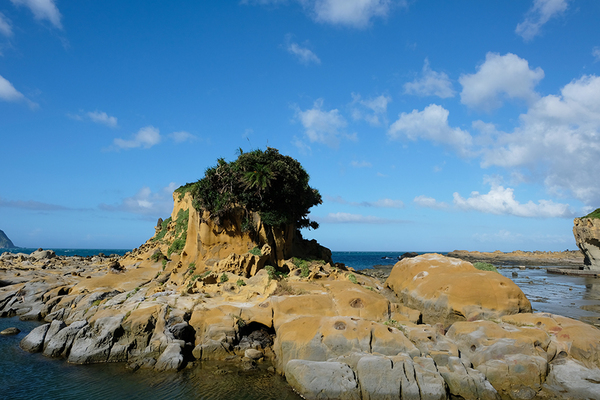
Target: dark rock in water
5, 242
10, 331
407, 255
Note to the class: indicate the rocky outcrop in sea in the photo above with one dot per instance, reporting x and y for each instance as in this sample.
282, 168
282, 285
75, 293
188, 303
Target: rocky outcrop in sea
437, 328
5, 242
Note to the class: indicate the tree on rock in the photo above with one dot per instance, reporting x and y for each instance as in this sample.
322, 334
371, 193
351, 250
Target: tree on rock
268, 183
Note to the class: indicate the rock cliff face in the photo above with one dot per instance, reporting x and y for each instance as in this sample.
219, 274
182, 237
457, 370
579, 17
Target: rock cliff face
5, 242
191, 237
587, 236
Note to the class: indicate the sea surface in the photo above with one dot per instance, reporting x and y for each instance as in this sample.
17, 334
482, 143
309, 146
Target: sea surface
33, 376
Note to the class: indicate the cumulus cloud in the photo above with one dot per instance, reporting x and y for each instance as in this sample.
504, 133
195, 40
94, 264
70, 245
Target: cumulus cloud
431, 124
540, 13
182, 136
103, 118
5, 26
145, 137
351, 13
372, 110
303, 54
322, 126
346, 218
507, 76
42, 9
429, 202
559, 138
354, 13
501, 201
146, 202
431, 83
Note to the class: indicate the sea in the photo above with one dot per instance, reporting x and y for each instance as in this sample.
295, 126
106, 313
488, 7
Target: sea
33, 376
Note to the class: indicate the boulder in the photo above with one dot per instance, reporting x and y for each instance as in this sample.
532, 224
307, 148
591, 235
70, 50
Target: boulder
10, 331
322, 380
93, 345
516, 376
171, 359
34, 341
60, 344
574, 379
463, 381
447, 289
587, 237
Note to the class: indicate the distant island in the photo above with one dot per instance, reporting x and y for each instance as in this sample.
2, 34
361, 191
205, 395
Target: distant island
5, 242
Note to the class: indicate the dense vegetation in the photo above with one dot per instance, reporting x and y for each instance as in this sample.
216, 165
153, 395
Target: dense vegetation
594, 214
274, 185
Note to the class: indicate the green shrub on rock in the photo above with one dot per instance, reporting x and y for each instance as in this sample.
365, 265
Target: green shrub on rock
484, 266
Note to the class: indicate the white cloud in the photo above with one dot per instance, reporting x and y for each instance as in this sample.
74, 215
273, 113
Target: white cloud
431, 124
559, 137
429, 202
372, 110
304, 55
346, 218
182, 136
500, 76
5, 26
431, 83
540, 13
9, 93
42, 9
381, 203
361, 164
145, 137
101, 117
146, 202
596, 53
353, 13
501, 201
322, 126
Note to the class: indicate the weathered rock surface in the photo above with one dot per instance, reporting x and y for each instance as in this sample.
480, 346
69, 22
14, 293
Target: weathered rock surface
448, 290
587, 237
438, 328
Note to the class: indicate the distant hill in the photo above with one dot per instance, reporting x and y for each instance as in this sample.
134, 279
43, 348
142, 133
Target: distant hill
5, 242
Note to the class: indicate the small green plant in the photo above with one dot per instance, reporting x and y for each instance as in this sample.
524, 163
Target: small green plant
370, 288
191, 267
239, 321
482, 266
157, 256
593, 214
256, 251
223, 278
303, 265
205, 274
352, 278
163, 230
176, 246
164, 264
270, 271
127, 316
240, 283
195, 277
96, 303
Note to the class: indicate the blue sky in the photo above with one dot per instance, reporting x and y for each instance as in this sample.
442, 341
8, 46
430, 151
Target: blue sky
426, 125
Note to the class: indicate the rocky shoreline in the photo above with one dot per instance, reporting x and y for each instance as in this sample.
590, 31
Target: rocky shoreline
435, 328
567, 259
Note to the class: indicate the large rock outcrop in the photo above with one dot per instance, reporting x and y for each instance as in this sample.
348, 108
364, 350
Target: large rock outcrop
587, 236
448, 290
5, 242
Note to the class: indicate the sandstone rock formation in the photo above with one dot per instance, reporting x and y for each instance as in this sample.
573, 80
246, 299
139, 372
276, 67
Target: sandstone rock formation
587, 236
437, 328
